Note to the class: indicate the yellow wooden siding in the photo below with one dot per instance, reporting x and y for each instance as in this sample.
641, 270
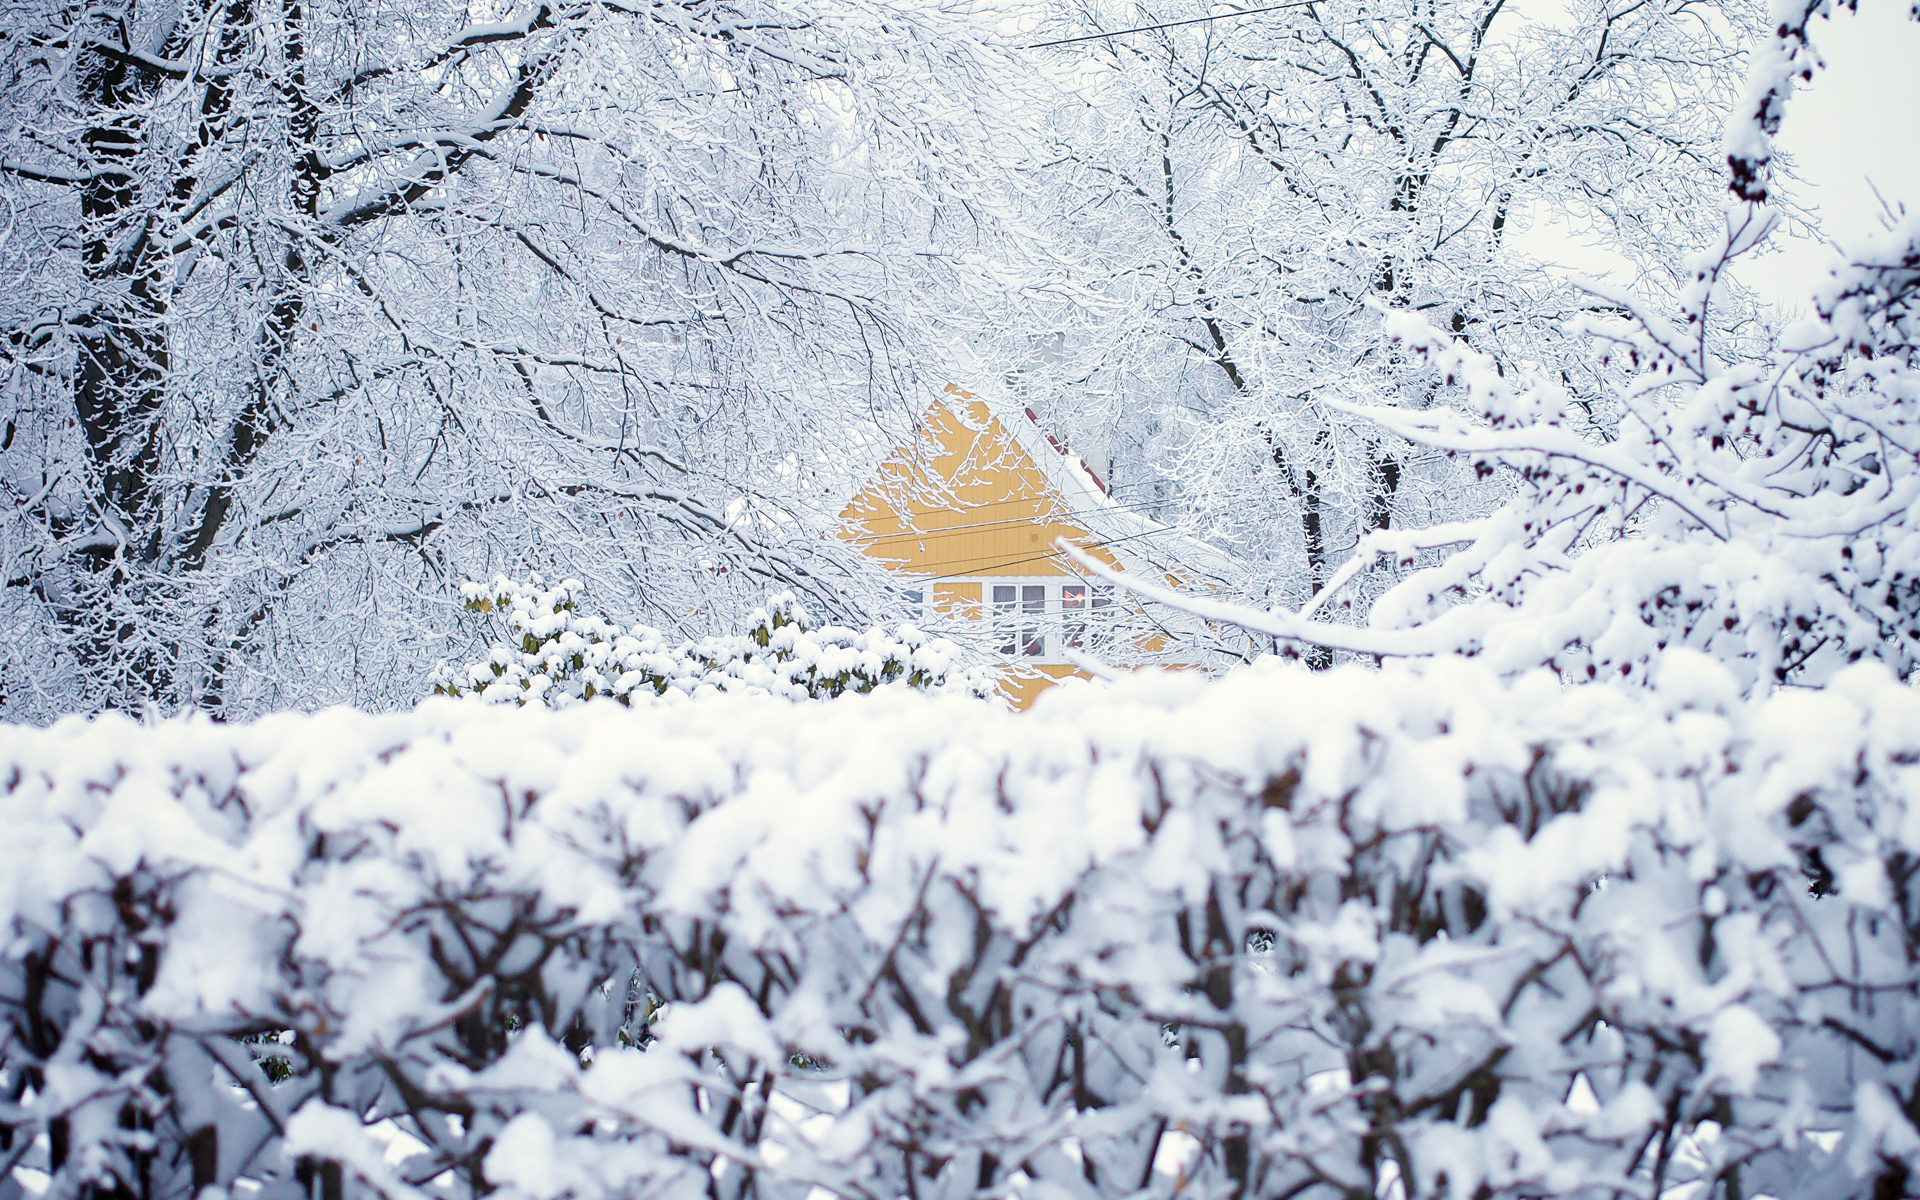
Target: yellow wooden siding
959, 601
964, 502
1023, 688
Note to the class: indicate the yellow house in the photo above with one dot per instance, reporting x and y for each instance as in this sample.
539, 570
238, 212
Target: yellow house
969, 516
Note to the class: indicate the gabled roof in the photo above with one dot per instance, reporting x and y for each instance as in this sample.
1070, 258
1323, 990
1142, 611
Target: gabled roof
1139, 541
1019, 448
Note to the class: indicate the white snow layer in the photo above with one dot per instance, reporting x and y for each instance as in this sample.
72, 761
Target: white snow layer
1294, 933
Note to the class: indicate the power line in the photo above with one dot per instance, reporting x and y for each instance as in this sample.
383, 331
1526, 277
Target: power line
1042, 557
963, 508
1245, 12
1054, 513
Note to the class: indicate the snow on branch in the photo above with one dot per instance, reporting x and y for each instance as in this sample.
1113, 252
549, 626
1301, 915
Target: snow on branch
1672, 474
1752, 501
1779, 64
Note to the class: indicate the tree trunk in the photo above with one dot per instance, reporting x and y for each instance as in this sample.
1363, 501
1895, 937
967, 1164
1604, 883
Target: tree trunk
123, 357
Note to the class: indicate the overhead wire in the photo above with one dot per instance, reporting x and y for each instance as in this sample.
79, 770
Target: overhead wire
1244, 12
946, 531
1042, 557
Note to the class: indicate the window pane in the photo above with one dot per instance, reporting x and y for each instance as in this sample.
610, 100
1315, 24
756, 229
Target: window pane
1100, 624
1003, 602
1033, 605
1073, 602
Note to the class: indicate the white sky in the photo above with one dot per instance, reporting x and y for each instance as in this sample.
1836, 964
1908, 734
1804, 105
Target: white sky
1855, 128
1858, 121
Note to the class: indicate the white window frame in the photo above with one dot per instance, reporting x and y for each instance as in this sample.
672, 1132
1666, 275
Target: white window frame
917, 596
1039, 628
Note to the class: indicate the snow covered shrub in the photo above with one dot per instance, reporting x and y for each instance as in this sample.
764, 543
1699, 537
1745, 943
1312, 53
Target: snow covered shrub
1758, 507
1411, 932
555, 655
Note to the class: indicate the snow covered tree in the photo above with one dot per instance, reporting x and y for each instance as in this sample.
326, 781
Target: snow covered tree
1747, 494
554, 655
1246, 190
313, 308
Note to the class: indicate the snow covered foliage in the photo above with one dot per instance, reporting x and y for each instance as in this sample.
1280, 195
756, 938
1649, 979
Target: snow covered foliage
1423, 931
555, 655
311, 308
1747, 493
1237, 194
1757, 506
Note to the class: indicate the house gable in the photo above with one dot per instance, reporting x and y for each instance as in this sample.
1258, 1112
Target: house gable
966, 499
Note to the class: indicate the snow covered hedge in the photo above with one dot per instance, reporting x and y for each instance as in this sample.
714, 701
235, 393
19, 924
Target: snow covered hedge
1280, 935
